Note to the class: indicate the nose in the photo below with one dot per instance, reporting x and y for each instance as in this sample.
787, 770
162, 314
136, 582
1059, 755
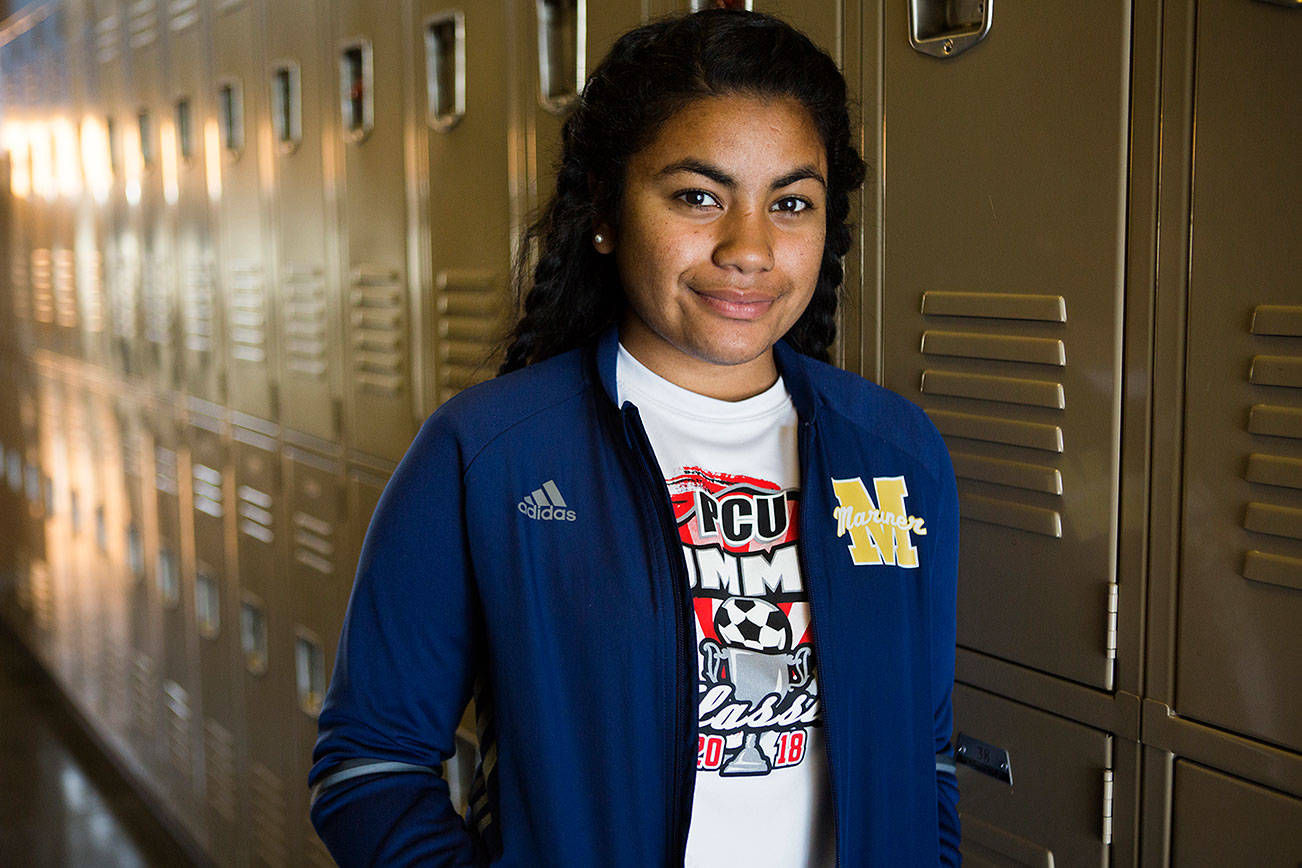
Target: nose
745, 243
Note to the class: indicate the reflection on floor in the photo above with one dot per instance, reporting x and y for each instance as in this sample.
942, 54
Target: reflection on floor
61, 802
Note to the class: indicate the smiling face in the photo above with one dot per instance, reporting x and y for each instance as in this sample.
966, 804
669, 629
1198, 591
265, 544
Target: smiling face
720, 241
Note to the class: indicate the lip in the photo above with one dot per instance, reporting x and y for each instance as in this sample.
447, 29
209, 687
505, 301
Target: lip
736, 305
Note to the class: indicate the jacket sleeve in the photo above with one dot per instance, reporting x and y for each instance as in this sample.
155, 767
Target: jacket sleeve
943, 632
403, 674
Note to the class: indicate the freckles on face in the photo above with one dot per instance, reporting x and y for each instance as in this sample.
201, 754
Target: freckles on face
720, 237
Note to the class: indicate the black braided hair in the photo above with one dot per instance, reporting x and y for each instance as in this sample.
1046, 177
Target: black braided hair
572, 292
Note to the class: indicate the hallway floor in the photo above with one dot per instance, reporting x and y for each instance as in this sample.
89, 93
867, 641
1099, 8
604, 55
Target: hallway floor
61, 802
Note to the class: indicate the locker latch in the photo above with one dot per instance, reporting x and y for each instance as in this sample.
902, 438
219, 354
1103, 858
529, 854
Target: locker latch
945, 28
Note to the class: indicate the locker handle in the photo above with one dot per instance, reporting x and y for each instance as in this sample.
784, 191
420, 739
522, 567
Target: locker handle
1287, 4
945, 28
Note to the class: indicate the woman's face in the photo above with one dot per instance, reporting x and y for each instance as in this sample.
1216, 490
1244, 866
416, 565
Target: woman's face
720, 241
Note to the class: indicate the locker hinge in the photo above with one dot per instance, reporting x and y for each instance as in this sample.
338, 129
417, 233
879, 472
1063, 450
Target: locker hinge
1107, 807
1114, 597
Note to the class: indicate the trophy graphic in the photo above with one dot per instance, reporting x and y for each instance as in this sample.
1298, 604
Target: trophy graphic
759, 663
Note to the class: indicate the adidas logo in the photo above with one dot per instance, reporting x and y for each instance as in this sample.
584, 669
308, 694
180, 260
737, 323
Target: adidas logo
546, 504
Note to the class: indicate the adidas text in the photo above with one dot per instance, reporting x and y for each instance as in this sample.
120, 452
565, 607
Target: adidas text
546, 504
547, 513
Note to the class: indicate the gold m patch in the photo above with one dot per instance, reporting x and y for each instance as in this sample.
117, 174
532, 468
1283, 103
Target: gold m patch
879, 531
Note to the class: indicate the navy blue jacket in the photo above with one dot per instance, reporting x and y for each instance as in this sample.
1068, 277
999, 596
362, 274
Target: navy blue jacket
577, 640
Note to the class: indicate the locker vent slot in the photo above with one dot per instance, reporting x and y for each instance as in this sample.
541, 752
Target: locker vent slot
91, 278
1272, 569
268, 815
378, 317
176, 735
65, 288
200, 310
248, 319
991, 510
107, 40
995, 305
157, 297
219, 768
1006, 390
42, 286
165, 470
1277, 319
182, 13
1012, 432
1006, 348
1274, 467
256, 519
469, 326
142, 23
207, 490
19, 275
312, 543
306, 338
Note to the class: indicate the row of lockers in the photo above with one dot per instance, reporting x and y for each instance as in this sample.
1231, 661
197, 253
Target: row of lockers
294, 218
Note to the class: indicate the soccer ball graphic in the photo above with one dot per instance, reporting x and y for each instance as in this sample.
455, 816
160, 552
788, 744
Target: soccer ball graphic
745, 622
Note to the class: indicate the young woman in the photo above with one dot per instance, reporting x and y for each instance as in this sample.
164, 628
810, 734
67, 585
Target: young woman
700, 583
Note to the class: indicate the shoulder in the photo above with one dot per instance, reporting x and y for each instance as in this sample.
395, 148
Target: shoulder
489, 410
846, 400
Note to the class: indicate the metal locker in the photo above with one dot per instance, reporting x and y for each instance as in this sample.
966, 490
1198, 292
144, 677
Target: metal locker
173, 597
1005, 193
300, 77
460, 96
266, 652
152, 138
370, 161
216, 613
1035, 788
189, 110
87, 603
235, 143
1220, 820
558, 42
1241, 554
55, 601
143, 622
319, 582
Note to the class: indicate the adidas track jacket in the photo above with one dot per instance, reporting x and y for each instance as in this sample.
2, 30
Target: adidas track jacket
574, 631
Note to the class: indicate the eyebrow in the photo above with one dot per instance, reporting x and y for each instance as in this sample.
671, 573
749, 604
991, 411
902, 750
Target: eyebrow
714, 173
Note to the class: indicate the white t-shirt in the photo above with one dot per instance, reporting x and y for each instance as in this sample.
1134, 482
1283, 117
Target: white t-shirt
762, 796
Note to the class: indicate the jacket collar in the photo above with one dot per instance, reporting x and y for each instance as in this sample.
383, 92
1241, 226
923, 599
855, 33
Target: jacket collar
792, 366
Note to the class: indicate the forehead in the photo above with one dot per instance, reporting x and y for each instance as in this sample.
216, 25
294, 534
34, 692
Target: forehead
739, 132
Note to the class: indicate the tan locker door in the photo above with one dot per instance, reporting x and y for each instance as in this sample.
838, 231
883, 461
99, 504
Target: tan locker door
87, 603
235, 141
110, 521
1220, 820
189, 103
1005, 191
541, 114
152, 219
266, 651
62, 58
1241, 585
59, 628
468, 162
367, 70
216, 613
302, 80
1052, 816
319, 584
173, 595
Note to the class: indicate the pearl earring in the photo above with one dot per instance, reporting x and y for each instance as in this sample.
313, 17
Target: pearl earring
599, 238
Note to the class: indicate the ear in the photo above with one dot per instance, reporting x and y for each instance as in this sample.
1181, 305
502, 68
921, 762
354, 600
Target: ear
603, 237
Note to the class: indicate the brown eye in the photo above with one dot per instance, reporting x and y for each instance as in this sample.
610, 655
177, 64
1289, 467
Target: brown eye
697, 198
792, 204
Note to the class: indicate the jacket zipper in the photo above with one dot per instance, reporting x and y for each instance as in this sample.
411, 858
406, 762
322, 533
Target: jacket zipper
806, 437
683, 765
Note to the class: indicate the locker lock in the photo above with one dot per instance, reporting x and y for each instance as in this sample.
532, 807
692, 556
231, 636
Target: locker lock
985, 758
945, 28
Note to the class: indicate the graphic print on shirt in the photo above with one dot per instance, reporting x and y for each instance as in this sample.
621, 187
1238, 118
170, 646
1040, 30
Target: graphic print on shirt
757, 690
